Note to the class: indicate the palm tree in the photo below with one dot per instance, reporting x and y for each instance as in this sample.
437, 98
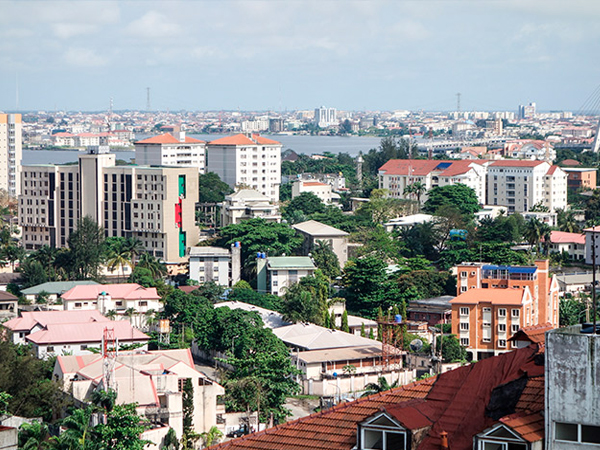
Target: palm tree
135, 248
566, 221
33, 436
112, 314
211, 436
381, 386
156, 268
77, 429
419, 189
119, 256
533, 232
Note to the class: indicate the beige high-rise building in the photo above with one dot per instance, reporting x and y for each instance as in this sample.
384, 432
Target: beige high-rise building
152, 204
11, 152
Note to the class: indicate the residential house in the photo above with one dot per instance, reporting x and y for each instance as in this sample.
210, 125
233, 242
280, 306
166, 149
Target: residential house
9, 305
322, 190
276, 273
54, 333
493, 302
580, 178
397, 174
247, 160
153, 380
246, 204
519, 185
431, 310
171, 150
314, 232
571, 243
129, 301
494, 404
530, 149
52, 289
271, 319
407, 221
216, 264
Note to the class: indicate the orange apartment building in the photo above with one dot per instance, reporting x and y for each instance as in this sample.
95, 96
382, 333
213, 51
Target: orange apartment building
580, 178
493, 302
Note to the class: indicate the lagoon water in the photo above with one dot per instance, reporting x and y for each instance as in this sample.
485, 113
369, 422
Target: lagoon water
300, 144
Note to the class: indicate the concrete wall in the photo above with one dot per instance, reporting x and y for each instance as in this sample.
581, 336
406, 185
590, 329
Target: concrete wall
341, 386
572, 382
8, 438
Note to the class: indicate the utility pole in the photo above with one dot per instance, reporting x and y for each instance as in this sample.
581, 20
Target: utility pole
148, 105
458, 102
594, 305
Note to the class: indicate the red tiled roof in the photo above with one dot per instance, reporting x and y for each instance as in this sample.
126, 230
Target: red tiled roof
422, 167
242, 139
532, 397
85, 333
552, 169
313, 183
529, 426
562, 237
516, 163
168, 138
494, 296
126, 291
30, 319
535, 334
454, 402
570, 162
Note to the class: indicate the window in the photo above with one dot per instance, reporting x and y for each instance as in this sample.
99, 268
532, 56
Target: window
502, 343
502, 312
83, 347
463, 289
381, 433
464, 311
50, 348
515, 313
574, 432
463, 274
464, 342
464, 326
502, 327
514, 328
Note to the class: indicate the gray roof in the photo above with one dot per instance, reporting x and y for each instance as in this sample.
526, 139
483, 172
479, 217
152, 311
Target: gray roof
271, 319
208, 251
314, 337
339, 354
248, 194
316, 229
431, 303
290, 262
55, 287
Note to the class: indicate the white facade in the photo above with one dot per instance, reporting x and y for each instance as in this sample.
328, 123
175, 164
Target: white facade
10, 153
247, 161
519, 185
592, 239
215, 264
168, 150
321, 190
277, 273
248, 204
325, 117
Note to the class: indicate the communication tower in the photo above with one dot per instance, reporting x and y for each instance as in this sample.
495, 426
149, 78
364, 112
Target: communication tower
392, 341
109, 355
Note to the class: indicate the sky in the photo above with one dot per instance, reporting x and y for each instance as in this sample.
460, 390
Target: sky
286, 55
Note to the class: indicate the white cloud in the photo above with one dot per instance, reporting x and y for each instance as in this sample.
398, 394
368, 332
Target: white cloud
84, 57
154, 25
69, 30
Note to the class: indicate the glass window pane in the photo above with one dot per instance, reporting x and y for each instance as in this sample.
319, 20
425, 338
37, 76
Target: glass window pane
394, 441
514, 446
373, 440
565, 431
590, 434
492, 446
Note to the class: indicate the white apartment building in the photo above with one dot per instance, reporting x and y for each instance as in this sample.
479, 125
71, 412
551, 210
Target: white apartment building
325, 117
519, 185
397, 174
250, 161
216, 264
276, 273
169, 150
321, 190
153, 204
11, 153
248, 204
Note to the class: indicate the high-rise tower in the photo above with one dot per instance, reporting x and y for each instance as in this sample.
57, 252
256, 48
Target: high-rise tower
10, 153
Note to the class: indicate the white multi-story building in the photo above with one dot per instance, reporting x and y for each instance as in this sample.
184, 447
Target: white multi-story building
216, 264
321, 190
519, 185
247, 160
530, 149
10, 153
248, 204
397, 174
153, 204
276, 273
325, 117
169, 150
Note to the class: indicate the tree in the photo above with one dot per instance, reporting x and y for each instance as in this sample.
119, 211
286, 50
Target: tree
154, 266
535, 231
366, 283
346, 127
188, 414
212, 189
32, 273
459, 195
307, 202
211, 437
122, 430
566, 221
572, 311
417, 189
86, 246
118, 256
452, 351
325, 259
381, 386
302, 302
345, 326
539, 207
33, 436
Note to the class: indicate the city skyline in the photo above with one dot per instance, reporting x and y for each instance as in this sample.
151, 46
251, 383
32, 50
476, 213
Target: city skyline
270, 55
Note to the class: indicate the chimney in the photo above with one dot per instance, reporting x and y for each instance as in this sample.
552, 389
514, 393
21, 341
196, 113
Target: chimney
444, 441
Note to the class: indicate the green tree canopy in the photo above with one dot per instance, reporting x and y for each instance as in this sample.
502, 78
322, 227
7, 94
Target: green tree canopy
86, 246
458, 195
212, 189
307, 202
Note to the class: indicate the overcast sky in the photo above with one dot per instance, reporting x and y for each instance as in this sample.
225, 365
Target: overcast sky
285, 54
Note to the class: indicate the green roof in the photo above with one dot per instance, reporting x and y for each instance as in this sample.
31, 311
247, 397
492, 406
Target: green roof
290, 262
55, 287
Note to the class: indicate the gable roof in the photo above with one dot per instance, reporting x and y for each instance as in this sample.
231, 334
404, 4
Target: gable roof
454, 402
168, 138
562, 237
316, 229
55, 287
85, 332
314, 337
28, 320
516, 163
290, 262
126, 291
475, 296
536, 334
422, 167
242, 139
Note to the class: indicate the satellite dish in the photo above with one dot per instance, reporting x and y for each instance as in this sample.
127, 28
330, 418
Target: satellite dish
416, 345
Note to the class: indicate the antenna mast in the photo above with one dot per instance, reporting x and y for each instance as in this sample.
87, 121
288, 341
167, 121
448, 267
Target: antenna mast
458, 102
148, 105
109, 355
